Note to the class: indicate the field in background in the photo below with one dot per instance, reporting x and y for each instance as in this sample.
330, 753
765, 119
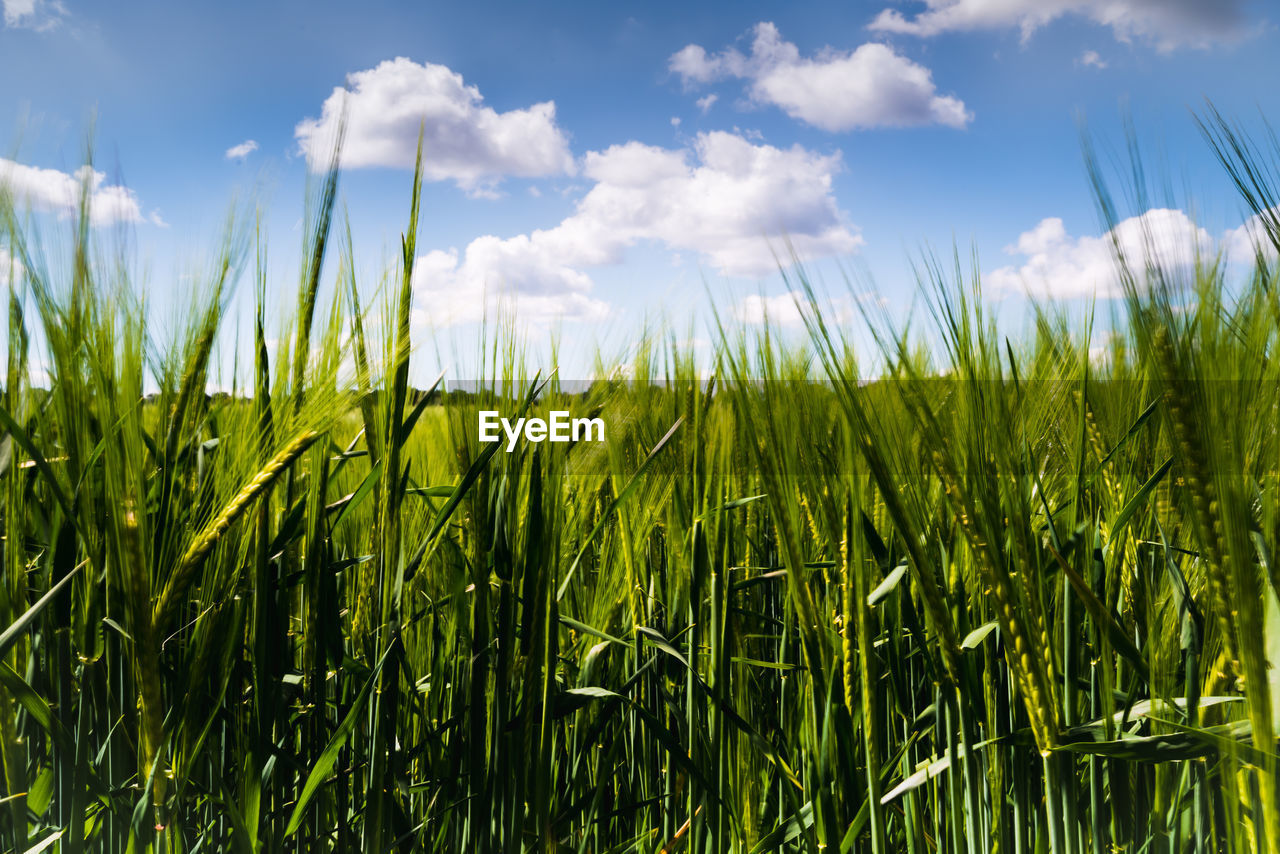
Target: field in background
1012, 595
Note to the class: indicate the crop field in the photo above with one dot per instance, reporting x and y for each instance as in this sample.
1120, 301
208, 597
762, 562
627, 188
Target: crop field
1009, 593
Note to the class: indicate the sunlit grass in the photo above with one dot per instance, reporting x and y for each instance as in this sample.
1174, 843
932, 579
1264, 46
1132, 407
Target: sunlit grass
1004, 596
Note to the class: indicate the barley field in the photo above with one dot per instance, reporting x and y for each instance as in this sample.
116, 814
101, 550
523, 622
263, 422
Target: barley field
997, 593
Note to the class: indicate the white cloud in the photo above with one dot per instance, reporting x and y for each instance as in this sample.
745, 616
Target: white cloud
15, 11
722, 206
871, 86
780, 310
521, 269
722, 198
1060, 266
1091, 59
463, 140
1167, 23
1243, 243
694, 65
704, 104
59, 192
787, 310
243, 150
33, 14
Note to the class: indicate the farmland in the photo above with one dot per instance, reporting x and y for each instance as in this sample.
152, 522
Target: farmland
1008, 593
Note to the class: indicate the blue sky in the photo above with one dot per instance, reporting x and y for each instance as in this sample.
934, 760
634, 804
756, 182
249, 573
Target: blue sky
603, 161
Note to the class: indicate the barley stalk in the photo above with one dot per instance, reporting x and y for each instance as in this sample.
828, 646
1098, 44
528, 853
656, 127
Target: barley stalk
184, 573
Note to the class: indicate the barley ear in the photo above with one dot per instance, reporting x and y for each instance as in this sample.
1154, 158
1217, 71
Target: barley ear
182, 577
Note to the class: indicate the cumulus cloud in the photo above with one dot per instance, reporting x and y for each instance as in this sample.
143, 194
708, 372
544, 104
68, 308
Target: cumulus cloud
59, 192
871, 86
780, 310
1252, 238
1091, 59
722, 204
243, 150
787, 310
1167, 23
539, 288
704, 103
33, 14
463, 140
1060, 266
720, 198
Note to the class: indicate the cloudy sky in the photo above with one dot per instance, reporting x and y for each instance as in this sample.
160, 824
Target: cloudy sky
607, 163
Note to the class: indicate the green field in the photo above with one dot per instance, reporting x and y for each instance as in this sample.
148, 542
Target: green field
999, 593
